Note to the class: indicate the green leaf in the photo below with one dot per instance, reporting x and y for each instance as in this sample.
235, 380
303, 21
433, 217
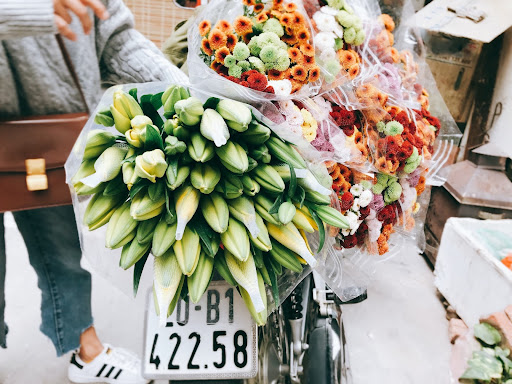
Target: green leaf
137, 272
133, 93
320, 224
205, 233
269, 263
173, 163
156, 190
138, 186
115, 187
170, 212
258, 257
300, 196
475, 374
150, 111
211, 103
156, 100
130, 159
153, 139
487, 333
277, 203
293, 182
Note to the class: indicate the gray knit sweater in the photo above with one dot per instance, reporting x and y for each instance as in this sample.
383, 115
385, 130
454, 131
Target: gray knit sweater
34, 79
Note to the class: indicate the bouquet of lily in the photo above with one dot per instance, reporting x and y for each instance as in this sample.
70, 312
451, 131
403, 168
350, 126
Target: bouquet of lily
206, 187
267, 49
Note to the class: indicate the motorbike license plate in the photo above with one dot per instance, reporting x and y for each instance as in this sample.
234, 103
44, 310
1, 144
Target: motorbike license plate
213, 339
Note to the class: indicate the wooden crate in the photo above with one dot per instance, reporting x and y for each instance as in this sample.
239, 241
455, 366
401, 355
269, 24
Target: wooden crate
156, 19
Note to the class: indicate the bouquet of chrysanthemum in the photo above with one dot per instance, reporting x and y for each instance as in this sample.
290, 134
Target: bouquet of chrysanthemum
268, 48
375, 206
338, 31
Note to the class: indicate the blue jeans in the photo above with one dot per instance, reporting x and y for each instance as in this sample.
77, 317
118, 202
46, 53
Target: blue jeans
51, 238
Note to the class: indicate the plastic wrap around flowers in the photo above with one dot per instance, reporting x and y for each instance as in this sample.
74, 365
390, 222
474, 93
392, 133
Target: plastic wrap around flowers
267, 49
206, 188
378, 155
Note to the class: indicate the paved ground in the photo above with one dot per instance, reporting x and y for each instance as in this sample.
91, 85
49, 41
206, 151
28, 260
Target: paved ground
397, 336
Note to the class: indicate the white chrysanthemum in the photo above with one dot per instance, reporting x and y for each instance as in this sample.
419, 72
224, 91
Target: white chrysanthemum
327, 54
338, 31
281, 87
324, 22
353, 219
345, 232
356, 189
286, 106
325, 40
355, 205
329, 10
295, 118
365, 198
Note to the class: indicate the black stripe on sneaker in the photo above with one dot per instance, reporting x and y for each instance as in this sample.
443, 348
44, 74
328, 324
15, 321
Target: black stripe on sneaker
118, 373
101, 370
109, 372
74, 362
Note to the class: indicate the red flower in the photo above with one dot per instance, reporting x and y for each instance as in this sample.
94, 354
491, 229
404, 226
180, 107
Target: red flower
364, 211
257, 81
361, 233
233, 79
349, 241
348, 130
270, 89
346, 201
246, 74
244, 84
387, 214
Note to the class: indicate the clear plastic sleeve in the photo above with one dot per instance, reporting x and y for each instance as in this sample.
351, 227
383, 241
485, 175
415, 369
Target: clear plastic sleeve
106, 261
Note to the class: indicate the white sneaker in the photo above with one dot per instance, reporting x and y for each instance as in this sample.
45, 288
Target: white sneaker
112, 366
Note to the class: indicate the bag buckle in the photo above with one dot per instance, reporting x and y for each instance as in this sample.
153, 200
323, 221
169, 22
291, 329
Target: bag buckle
36, 174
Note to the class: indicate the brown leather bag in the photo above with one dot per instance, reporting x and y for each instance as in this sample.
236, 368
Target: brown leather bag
33, 154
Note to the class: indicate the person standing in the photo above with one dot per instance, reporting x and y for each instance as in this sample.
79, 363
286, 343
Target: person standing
105, 49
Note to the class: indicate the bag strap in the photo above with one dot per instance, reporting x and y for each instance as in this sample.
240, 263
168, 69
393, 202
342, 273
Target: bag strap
71, 69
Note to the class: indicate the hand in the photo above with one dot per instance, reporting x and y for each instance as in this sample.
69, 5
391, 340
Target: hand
62, 9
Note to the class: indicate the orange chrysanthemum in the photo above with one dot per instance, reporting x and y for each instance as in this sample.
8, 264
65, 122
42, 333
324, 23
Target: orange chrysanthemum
204, 27
274, 74
286, 19
249, 2
223, 26
276, 14
221, 54
347, 58
277, 4
308, 61
262, 17
290, 40
217, 39
259, 7
290, 7
387, 21
243, 25
205, 46
231, 41
294, 54
296, 85
303, 35
307, 49
353, 71
314, 74
299, 73
395, 56
216, 66
298, 20
287, 75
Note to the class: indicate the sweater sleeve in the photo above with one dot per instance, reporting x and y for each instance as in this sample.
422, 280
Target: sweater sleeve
126, 56
21, 18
